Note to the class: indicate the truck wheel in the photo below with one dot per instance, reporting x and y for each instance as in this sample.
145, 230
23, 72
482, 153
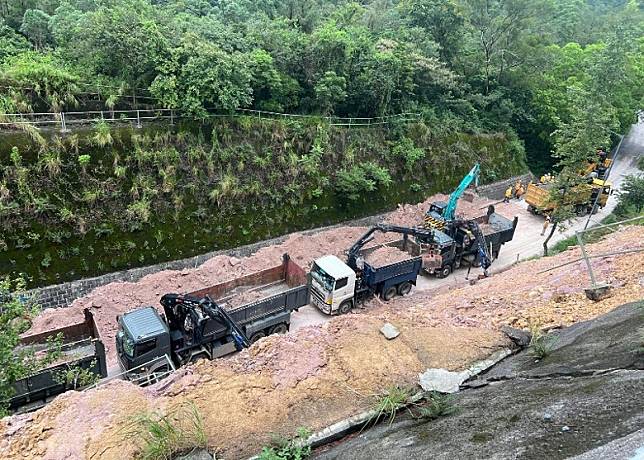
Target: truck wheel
345, 307
389, 294
281, 328
444, 272
404, 288
256, 336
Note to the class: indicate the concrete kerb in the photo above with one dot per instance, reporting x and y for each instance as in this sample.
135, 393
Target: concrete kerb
352, 424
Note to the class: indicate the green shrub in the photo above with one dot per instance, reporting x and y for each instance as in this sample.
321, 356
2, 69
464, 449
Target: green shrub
437, 405
163, 436
353, 183
541, 345
388, 404
293, 449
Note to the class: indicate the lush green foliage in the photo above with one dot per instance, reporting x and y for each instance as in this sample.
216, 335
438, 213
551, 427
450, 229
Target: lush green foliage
161, 436
571, 67
388, 403
110, 198
293, 449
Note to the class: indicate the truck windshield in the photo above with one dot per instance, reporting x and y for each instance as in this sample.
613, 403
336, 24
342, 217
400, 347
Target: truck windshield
323, 277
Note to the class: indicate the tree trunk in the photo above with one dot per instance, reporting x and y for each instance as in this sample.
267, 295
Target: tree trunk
545, 243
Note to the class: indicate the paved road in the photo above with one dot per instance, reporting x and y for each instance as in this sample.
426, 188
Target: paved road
527, 241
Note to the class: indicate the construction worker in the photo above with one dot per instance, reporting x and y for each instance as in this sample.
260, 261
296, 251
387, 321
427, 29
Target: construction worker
508, 195
545, 225
517, 186
543, 179
602, 155
519, 193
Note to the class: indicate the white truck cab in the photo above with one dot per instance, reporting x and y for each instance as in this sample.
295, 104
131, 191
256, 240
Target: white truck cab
333, 285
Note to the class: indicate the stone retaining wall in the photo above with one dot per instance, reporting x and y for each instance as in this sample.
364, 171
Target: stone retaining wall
62, 295
496, 190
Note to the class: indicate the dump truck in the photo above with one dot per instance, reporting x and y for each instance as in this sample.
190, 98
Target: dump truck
80, 350
336, 287
541, 197
468, 242
210, 322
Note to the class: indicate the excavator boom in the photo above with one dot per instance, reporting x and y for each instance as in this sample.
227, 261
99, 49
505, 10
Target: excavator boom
472, 176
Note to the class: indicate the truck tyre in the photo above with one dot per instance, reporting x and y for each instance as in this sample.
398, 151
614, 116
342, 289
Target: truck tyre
345, 307
404, 288
256, 336
281, 328
389, 294
444, 271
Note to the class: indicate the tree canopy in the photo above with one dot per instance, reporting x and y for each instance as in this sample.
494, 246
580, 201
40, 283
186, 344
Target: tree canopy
565, 74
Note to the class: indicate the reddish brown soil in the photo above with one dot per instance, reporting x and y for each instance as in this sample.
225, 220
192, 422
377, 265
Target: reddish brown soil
106, 302
321, 374
386, 255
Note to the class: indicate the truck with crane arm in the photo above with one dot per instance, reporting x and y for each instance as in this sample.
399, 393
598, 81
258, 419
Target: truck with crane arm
476, 241
209, 323
337, 287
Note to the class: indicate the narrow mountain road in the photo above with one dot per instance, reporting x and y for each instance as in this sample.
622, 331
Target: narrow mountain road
527, 241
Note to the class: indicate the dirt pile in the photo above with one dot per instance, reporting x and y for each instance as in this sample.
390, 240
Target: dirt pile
410, 215
106, 302
386, 255
313, 377
528, 295
321, 374
243, 298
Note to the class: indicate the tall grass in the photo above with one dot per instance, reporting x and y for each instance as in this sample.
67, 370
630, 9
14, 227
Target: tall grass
161, 436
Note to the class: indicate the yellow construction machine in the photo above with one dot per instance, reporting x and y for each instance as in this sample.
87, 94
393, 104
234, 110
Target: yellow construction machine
543, 198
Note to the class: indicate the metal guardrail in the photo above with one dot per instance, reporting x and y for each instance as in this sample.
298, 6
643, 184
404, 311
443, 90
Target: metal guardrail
64, 120
140, 380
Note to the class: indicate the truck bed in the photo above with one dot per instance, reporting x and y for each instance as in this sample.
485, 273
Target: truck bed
80, 348
375, 275
248, 299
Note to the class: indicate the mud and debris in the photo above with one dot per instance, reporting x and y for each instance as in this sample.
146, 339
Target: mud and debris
109, 301
386, 255
321, 374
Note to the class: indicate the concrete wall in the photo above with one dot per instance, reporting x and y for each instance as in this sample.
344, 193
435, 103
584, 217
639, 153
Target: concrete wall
496, 190
62, 295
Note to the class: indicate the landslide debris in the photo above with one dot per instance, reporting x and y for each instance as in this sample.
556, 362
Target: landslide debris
110, 300
386, 255
321, 374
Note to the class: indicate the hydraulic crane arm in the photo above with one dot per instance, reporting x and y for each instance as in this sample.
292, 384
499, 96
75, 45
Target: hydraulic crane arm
421, 234
213, 310
177, 307
472, 176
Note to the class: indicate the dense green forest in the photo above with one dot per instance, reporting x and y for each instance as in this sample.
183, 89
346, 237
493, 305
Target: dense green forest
485, 80
565, 74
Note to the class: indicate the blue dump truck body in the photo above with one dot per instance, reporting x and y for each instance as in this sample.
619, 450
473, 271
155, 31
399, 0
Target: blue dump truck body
379, 280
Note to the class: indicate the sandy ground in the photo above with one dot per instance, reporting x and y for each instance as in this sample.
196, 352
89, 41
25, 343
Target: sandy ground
321, 373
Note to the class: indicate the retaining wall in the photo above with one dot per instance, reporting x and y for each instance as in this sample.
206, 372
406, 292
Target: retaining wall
496, 191
62, 295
